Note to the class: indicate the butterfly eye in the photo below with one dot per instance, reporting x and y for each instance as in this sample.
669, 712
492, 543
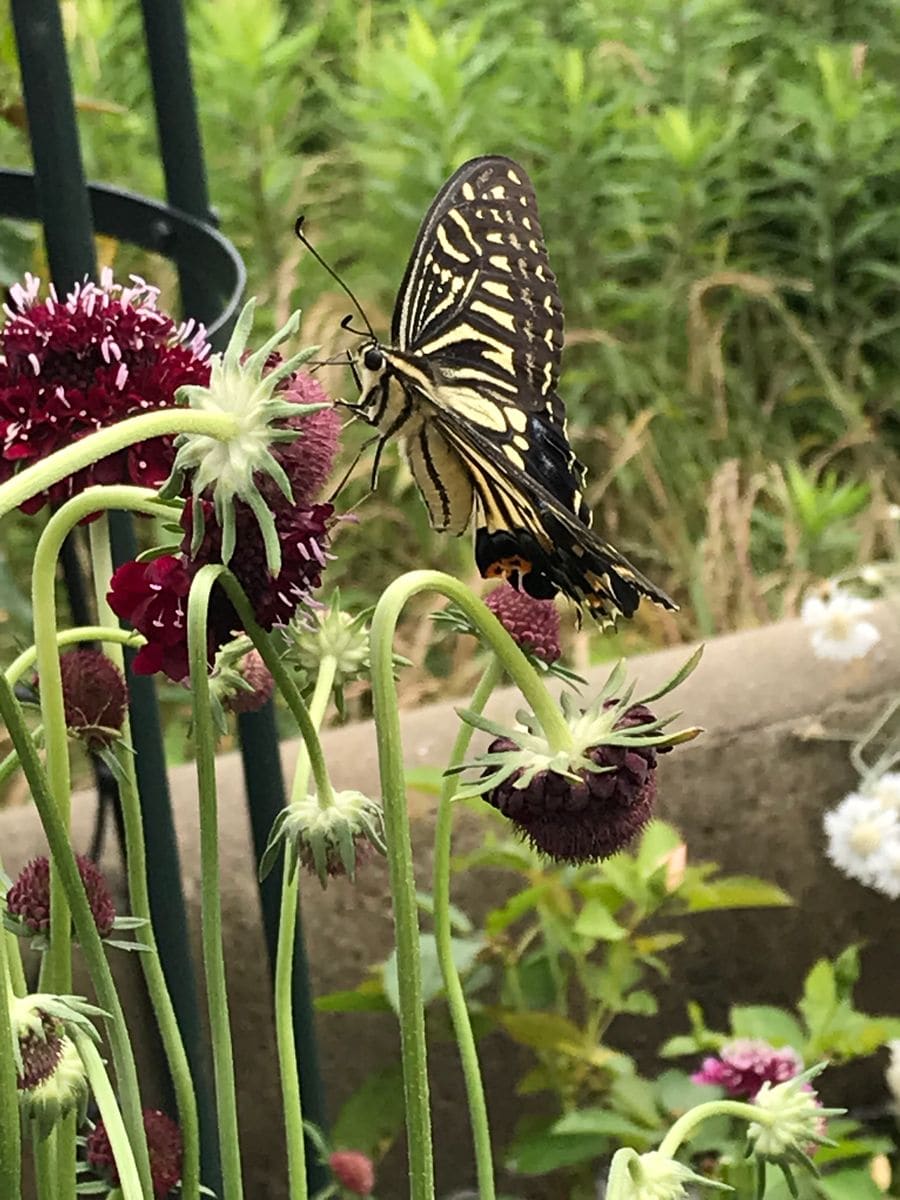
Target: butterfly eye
373, 360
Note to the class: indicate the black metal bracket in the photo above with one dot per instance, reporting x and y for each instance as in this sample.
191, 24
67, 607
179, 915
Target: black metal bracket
196, 247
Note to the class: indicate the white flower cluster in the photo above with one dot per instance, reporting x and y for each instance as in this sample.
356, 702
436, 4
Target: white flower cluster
838, 627
864, 834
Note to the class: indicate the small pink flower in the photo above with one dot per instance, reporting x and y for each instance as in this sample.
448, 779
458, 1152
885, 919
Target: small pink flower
353, 1170
163, 1142
28, 900
743, 1066
254, 672
533, 624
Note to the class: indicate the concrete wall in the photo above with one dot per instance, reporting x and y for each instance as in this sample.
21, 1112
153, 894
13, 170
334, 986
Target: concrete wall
749, 794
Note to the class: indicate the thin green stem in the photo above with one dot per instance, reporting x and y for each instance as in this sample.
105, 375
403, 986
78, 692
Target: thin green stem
105, 1097
92, 948
393, 790
75, 457
138, 894
443, 932
686, 1124
10, 1134
291, 1098
71, 637
43, 1152
57, 966
210, 883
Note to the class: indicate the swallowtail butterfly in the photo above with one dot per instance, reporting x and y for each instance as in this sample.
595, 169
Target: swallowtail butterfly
469, 381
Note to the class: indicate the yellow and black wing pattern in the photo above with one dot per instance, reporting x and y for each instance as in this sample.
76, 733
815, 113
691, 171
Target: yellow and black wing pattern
477, 336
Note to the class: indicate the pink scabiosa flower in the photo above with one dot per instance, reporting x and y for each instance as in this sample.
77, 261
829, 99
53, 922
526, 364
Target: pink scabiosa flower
533, 624
249, 504
353, 1170
588, 798
257, 684
153, 597
743, 1066
28, 899
163, 1142
95, 697
74, 366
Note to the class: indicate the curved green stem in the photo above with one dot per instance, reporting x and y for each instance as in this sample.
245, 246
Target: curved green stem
101, 1088
57, 962
686, 1124
291, 1098
393, 788
91, 946
10, 1135
75, 457
443, 932
210, 883
71, 637
138, 893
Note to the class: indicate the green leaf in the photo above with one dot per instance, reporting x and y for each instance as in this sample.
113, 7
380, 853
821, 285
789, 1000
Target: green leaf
850, 1184
464, 951
367, 997
373, 1116
622, 872
677, 1092
540, 1030
596, 921
459, 921
637, 1098
522, 902
600, 1122
427, 780
774, 1025
659, 840
732, 891
680, 1046
541, 1153
640, 1003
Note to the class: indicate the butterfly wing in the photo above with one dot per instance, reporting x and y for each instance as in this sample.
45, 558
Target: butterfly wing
525, 531
479, 299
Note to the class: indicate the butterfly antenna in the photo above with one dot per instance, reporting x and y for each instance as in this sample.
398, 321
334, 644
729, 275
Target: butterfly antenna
298, 230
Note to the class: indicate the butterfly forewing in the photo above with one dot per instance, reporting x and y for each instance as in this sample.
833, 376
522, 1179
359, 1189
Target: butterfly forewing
479, 299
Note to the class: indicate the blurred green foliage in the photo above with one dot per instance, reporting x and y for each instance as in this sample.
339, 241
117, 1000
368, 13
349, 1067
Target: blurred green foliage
718, 183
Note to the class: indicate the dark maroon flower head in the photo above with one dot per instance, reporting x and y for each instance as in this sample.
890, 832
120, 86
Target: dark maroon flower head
743, 1066
28, 900
353, 1170
254, 671
593, 816
533, 624
75, 366
163, 1142
94, 695
303, 537
307, 461
41, 1051
153, 597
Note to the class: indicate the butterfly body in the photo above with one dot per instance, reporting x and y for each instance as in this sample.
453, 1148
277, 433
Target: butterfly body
469, 383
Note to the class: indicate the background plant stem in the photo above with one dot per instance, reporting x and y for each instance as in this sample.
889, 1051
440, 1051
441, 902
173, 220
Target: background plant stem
443, 932
10, 1137
284, 1018
105, 1097
138, 894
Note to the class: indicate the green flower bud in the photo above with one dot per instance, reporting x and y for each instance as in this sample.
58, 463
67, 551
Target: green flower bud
328, 839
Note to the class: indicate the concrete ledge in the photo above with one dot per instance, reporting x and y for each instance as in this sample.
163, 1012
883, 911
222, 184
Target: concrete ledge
749, 795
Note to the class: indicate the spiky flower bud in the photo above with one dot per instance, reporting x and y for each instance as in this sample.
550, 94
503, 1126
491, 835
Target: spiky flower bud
331, 633
28, 900
95, 697
328, 839
163, 1143
655, 1176
587, 799
50, 1075
229, 470
533, 624
791, 1120
353, 1170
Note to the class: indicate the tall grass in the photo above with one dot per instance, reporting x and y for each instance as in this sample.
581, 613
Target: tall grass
718, 184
